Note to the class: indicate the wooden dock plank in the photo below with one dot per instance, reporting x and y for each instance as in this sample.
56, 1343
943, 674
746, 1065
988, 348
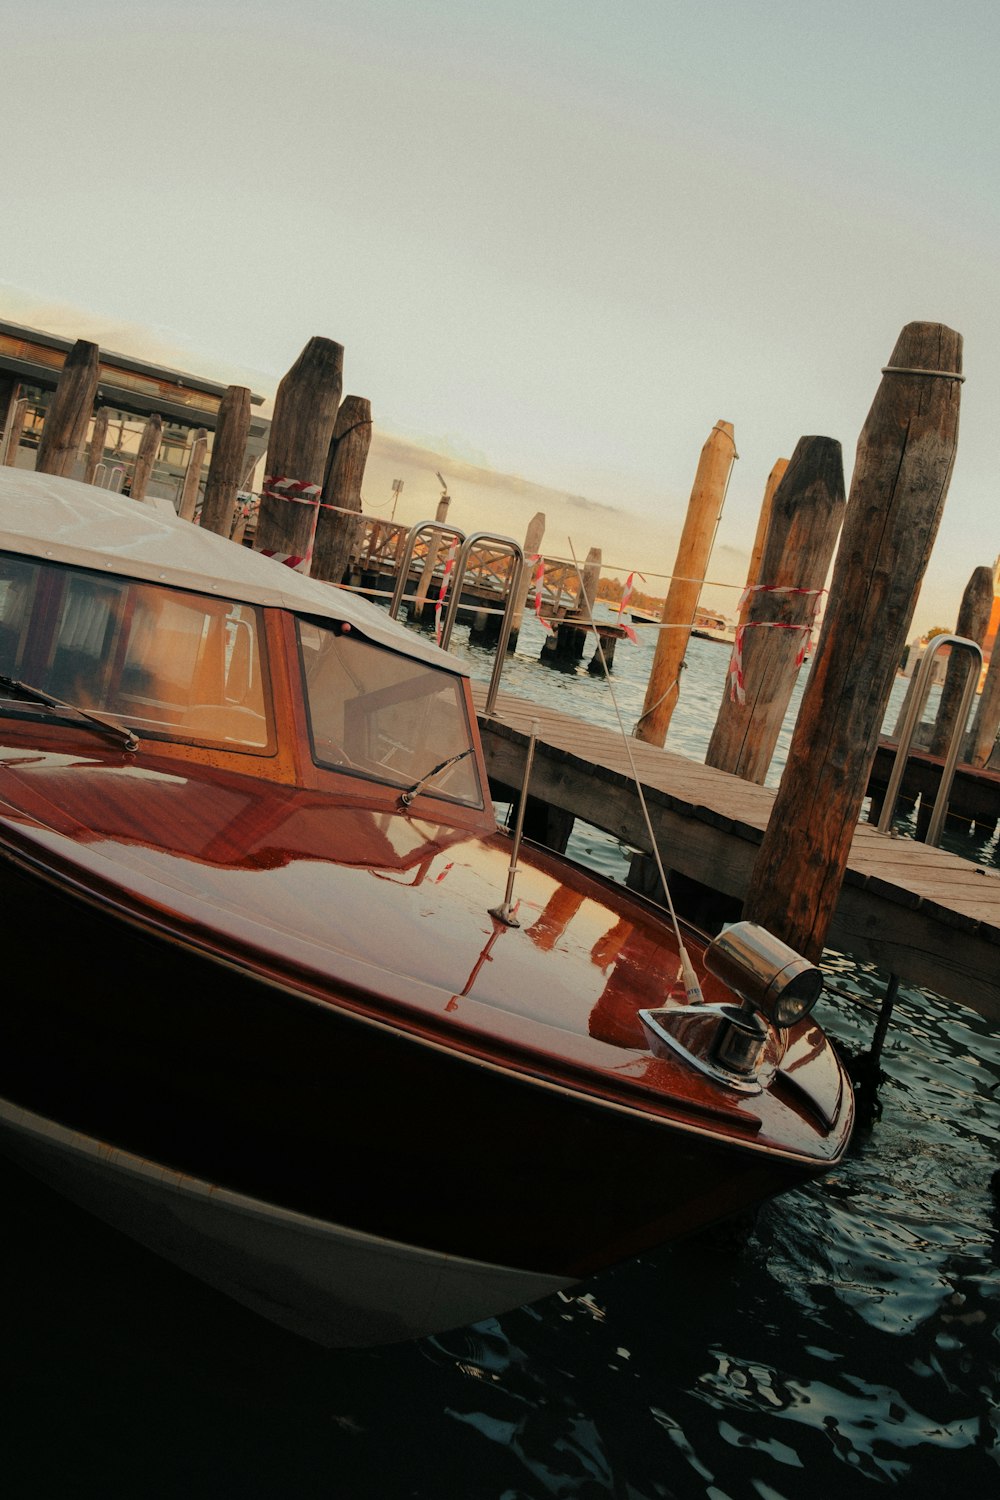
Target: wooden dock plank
926, 914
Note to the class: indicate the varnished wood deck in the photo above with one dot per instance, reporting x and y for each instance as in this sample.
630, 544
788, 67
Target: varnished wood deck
922, 913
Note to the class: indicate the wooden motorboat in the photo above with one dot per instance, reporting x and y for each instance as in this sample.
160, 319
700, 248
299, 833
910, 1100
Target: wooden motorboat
713, 627
275, 1019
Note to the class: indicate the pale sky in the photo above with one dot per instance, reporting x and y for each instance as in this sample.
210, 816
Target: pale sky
558, 241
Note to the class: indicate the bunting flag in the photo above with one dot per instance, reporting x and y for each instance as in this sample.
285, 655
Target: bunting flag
623, 605
539, 579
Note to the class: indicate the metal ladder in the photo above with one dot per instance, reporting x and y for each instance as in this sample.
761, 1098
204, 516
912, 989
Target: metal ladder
468, 544
908, 728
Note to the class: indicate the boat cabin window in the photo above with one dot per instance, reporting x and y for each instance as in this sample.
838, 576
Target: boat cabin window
387, 717
173, 664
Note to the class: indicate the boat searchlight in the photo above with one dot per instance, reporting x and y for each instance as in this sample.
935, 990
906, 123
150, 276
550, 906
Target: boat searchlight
771, 977
728, 1042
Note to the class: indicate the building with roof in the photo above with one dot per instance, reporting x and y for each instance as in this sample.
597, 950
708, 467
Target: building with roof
131, 390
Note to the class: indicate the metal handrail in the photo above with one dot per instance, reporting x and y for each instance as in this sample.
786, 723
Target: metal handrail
911, 719
413, 536
510, 600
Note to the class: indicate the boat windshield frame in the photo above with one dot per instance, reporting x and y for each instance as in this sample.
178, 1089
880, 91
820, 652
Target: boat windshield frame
405, 725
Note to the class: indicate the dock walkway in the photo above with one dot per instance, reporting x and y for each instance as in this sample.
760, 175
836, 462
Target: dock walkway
927, 915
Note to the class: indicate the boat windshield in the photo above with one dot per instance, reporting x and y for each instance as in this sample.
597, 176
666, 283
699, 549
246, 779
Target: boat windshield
172, 664
386, 717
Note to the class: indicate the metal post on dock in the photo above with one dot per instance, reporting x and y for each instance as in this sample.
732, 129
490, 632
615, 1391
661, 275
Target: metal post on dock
903, 467
704, 509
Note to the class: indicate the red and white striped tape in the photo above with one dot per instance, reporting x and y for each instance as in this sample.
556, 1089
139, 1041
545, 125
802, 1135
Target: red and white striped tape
737, 682
280, 487
299, 563
446, 579
538, 580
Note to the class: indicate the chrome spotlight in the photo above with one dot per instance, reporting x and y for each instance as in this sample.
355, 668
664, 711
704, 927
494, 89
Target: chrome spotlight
728, 1042
771, 977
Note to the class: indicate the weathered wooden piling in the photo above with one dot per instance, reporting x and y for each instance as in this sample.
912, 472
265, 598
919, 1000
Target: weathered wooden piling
563, 648
225, 468
704, 509
305, 412
192, 475
986, 724
149, 447
69, 414
97, 444
973, 619
532, 551
12, 432
336, 528
775, 477
805, 518
434, 544
904, 460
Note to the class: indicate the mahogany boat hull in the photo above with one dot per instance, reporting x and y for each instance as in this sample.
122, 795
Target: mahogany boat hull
151, 1046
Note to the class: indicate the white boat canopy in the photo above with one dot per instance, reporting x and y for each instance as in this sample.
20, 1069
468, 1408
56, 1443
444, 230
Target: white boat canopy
62, 520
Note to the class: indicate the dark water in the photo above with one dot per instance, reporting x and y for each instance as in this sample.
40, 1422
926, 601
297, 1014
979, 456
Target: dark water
850, 1345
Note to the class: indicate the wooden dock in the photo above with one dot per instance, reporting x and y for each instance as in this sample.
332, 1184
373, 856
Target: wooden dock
927, 915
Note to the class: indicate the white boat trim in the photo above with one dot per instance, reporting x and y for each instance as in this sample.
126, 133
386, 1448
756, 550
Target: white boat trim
334, 1285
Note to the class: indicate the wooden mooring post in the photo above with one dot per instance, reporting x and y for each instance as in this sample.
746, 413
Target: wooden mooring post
192, 474
68, 416
704, 509
225, 468
96, 446
149, 447
336, 528
532, 551
904, 460
805, 519
305, 412
986, 724
12, 432
433, 553
564, 647
775, 477
973, 621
